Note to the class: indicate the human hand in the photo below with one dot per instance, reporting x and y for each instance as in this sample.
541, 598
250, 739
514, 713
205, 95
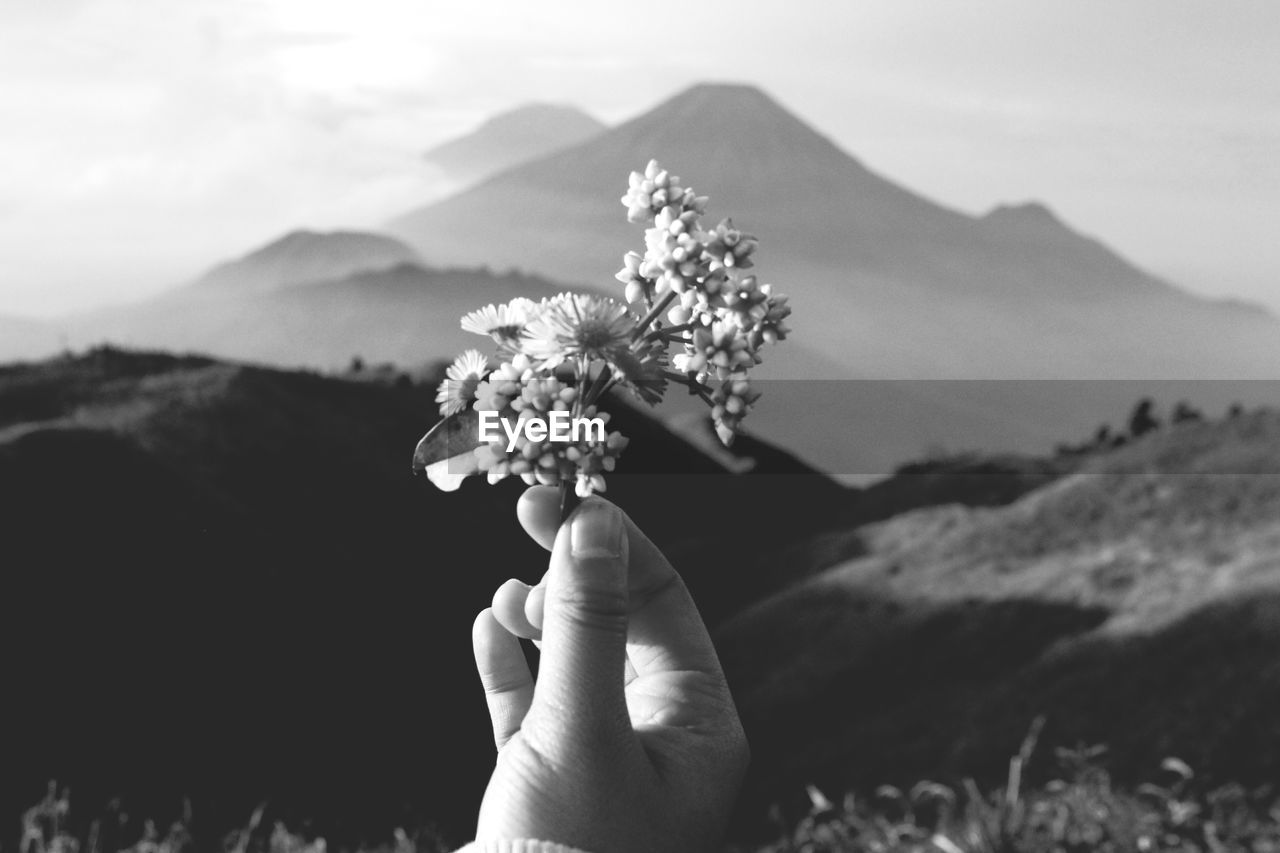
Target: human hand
629, 740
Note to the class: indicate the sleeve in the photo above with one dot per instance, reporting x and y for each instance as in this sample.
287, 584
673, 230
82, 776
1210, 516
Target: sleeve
517, 845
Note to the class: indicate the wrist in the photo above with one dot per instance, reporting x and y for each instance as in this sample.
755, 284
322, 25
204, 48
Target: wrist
517, 845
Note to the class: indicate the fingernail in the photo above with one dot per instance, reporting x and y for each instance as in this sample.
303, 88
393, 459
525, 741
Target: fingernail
596, 531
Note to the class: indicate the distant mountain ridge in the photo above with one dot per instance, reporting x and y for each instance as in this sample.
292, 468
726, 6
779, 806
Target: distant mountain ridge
407, 314
305, 256
895, 285
516, 136
886, 285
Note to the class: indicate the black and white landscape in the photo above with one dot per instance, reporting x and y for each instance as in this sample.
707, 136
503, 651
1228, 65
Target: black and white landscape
907, 289
952, 521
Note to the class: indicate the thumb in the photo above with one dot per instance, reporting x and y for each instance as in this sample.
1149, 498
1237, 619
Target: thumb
584, 631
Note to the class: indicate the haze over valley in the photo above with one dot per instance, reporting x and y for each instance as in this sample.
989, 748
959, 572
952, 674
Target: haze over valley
886, 284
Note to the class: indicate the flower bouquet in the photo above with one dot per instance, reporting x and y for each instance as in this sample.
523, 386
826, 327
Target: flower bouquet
692, 316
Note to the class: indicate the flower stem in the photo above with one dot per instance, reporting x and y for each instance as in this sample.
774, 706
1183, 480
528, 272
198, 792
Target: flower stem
581, 380
602, 382
582, 377
667, 299
693, 385
668, 331
568, 500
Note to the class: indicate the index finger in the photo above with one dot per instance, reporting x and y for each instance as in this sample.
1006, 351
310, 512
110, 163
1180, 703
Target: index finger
666, 632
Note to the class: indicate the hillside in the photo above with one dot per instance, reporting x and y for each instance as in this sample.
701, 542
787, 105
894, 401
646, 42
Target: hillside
244, 547
1135, 602
516, 136
407, 314
263, 307
885, 283
300, 257
211, 567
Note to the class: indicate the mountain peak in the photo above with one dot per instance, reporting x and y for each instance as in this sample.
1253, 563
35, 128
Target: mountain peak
759, 162
708, 105
726, 91
852, 246
516, 136
538, 114
1025, 213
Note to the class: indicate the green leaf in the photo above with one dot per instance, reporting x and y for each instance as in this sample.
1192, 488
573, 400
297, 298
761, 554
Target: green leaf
446, 454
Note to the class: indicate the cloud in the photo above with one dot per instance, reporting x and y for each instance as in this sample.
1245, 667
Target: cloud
156, 138
145, 139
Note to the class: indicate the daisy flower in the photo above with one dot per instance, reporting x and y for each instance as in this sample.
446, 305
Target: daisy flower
503, 323
573, 326
462, 378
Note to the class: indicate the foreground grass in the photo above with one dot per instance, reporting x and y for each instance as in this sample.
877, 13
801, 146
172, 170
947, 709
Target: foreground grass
47, 828
1080, 810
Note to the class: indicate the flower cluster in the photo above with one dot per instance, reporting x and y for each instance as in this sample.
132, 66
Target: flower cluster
691, 316
696, 279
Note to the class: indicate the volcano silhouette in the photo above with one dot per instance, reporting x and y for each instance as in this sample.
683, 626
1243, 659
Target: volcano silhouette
885, 282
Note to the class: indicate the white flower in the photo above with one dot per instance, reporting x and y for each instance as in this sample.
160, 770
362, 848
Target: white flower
563, 353
579, 325
503, 323
582, 463
497, 392
461, 380
715, 353
730, 403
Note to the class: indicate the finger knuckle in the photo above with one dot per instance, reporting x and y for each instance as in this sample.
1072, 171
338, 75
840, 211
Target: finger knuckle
495, 685
594, 608
594, 599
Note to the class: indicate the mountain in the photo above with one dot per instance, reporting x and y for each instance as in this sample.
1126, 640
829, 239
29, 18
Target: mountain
513, 137
1134, 601
889, 290
885, 283
305, 256
406, 314
245, 550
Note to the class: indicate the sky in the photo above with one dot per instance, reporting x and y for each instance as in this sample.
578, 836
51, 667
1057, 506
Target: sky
145, 140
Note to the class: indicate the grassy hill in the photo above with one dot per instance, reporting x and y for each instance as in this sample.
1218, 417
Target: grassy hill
222, 580
1134, 602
